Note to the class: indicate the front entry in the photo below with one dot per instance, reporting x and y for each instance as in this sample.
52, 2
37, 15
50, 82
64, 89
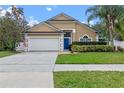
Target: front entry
67, 39
66, 43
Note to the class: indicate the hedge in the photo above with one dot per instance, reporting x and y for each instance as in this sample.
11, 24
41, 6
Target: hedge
89, 43
91, 48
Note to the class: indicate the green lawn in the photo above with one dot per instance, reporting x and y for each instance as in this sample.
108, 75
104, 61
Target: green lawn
90, 79
92, 58
6, 53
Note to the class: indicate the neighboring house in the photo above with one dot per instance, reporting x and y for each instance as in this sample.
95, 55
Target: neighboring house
57, 33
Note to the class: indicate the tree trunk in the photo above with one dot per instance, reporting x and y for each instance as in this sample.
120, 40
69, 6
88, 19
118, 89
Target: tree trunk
111, 38
110, 29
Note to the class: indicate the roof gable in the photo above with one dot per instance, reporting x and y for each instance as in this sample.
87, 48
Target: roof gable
43, 26
62, 17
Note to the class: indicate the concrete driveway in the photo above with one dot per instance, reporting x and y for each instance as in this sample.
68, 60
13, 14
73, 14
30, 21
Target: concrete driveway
30, 69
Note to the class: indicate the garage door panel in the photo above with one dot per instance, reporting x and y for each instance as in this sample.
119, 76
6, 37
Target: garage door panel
41, 44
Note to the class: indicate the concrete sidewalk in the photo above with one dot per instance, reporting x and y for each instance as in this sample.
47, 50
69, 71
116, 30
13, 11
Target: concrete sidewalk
89, 67
26, 80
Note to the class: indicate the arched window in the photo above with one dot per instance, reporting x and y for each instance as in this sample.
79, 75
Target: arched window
85, 38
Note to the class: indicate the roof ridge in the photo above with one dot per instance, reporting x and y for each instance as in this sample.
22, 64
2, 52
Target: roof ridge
66, 15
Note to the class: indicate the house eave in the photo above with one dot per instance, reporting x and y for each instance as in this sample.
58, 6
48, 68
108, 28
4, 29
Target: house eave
43, 32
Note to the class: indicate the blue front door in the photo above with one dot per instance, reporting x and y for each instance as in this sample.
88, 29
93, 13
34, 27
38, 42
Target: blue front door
66, 43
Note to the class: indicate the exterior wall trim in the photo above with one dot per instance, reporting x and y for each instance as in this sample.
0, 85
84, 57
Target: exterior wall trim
61, 39
97, 37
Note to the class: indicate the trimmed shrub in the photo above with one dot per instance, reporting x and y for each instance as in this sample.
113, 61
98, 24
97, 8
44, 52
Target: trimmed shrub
91, 48
89, 43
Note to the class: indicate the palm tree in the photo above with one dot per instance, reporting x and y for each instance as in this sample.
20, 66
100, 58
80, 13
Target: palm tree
111, 15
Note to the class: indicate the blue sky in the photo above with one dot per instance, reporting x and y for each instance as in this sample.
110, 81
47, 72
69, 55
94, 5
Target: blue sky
43, 12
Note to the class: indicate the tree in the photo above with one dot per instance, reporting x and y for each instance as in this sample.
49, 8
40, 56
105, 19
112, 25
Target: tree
120, 31
110, 15
18, 14
12, 26
10, 34
102, 31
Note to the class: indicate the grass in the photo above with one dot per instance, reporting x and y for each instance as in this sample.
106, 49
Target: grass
91, 79
92, 58
6, 53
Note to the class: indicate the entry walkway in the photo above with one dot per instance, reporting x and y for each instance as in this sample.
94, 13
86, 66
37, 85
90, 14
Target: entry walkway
89, 67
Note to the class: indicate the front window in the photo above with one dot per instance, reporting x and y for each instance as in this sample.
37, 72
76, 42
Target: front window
67, 34
85, 39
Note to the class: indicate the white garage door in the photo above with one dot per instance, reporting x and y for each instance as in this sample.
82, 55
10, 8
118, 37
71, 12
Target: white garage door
43, 44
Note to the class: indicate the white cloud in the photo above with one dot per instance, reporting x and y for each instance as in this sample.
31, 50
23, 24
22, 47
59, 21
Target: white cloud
9, 9
90, 23
32, 21
85, 22
49, 9
3, 11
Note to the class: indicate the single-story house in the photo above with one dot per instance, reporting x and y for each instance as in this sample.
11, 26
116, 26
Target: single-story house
57, 33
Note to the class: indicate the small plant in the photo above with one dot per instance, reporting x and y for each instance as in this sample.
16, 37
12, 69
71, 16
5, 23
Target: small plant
120, 49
